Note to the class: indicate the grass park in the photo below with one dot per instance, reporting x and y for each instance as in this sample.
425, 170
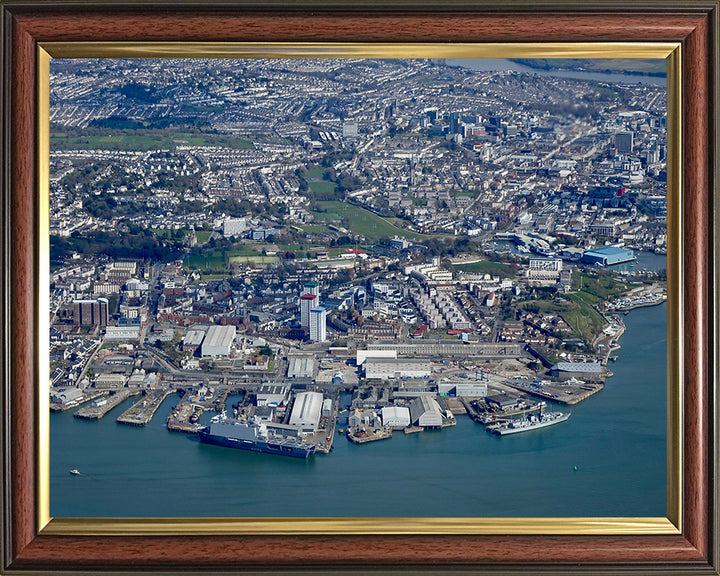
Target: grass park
363, 221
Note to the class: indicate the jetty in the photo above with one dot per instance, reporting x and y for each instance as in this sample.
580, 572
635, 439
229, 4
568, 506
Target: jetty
362, 436
140, 413
101, 406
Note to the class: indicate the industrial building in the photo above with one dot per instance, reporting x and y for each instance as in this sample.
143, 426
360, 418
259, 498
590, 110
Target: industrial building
306, 410
110, 380
192, 340
453, 348
425, 412
269, 395
363, 355
463, 388
608, 255
370, 397
301, 366
584, 370
384, 368
65, 395
218, 341
396, 416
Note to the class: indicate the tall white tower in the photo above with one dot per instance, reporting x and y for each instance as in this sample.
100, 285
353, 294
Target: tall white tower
318, 318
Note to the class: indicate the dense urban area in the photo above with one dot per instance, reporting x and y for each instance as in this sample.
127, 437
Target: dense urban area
423, 239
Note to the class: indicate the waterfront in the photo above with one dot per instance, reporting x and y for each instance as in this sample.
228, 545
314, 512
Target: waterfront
616, 439
491, 64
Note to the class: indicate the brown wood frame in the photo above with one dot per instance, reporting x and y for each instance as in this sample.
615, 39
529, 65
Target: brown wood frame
27, 23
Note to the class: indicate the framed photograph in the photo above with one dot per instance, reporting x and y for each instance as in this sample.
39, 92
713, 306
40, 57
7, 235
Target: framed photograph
473, 230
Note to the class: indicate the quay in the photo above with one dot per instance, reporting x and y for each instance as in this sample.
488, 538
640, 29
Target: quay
98, 408
562, 392
140, 413
179, 419
325, 435
54, 407
363, 436
475, 411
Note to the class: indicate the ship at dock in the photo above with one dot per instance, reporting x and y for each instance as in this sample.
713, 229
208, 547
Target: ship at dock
252, 435
530, 423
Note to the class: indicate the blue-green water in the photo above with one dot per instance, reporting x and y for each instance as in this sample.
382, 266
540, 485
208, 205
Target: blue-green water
616, 439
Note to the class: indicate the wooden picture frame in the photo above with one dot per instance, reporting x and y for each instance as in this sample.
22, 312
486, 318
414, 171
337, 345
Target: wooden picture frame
30, 547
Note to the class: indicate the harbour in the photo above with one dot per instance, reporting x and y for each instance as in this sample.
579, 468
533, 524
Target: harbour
616, 439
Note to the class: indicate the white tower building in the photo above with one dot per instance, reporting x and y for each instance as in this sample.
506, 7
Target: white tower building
318, 318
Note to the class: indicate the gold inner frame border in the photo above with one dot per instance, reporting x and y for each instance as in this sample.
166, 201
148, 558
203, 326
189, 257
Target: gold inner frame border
671, 524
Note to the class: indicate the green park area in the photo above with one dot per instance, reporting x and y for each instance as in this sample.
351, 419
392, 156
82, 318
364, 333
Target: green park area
316, 172
363, 221
487, 267
577, 308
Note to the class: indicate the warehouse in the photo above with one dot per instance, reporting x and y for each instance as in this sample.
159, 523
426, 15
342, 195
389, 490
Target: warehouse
218, 341
363, 355
584, 370
301, 366
192, 340
271, 395
425, 412
396, 416
306, 411
463, 388
384, 368
608, 255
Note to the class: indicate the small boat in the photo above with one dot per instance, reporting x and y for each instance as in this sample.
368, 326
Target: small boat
75, 472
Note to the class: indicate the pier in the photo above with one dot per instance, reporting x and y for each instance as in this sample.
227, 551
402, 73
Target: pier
363, 436
568, 392
101, 406
88, 395
140, 413
179, 419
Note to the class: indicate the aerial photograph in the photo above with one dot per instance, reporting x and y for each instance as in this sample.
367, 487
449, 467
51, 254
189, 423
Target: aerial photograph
358, 288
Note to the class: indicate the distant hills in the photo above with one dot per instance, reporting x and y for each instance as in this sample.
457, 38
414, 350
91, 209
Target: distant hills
634, 66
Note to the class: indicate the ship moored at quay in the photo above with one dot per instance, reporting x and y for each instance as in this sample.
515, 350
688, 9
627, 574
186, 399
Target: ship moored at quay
532, 422
252, 435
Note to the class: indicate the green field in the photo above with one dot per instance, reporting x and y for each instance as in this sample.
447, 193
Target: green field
166, 234
487, 267
147, 140
576, 310
316, 172
602, 285
259, 259
365, 222
202, 236
322, 187
327, 216
213, 260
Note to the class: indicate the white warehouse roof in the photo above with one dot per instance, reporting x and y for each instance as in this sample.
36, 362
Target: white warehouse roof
396, 416
425, 411
396, 368
218, 340
306, 410
301, 366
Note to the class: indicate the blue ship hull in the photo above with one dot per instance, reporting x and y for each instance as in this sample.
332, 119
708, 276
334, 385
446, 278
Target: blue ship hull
280, 448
